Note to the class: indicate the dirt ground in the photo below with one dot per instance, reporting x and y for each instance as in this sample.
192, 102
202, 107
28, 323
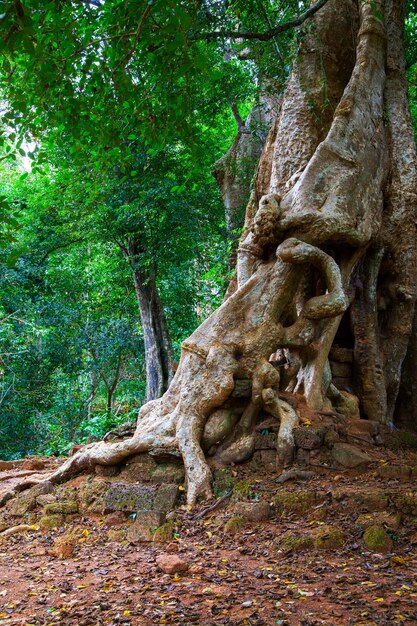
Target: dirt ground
241, 578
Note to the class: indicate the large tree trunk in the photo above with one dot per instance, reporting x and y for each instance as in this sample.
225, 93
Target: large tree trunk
326, 259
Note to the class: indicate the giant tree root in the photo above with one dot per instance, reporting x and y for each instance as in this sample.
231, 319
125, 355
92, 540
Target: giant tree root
234, 343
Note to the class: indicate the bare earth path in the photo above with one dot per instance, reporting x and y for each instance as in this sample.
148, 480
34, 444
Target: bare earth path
250, 577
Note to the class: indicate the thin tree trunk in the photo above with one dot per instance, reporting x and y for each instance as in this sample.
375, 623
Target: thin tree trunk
158, 349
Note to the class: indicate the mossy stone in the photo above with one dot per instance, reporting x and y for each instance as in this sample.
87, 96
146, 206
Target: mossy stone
406, 503
91, 496
391, 521
328, 538
296, 501
223, 482
164, 533
234, 524
64, 508
377, 539
117, 535
51, 521
241, 490
295, 543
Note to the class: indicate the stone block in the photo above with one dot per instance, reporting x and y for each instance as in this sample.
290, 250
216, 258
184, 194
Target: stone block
328, 538
349, 456
26, 501
302, 457
341, 370
138, 468
144, 527
91, 496
166, 497
51, 521
341, 355
253, 511
130, 498
266, 442
403, 472
63, 508
307, 438
172, 471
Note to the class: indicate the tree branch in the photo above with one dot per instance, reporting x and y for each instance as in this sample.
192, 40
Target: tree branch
267, 35
241, 126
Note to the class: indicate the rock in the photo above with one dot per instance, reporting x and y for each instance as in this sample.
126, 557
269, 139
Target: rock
294, 543
377, 539
242, 389
390, 521
266, 442
173, 471
171, 564
346, 403
307, 438
107, 470
51, 521
164, 533
136, 498
302, 457
330, 438
117, 518
63, 508
363, 426
403, 472
253, 511
341, 370
7, 465
117, 535
328, 538
26, 501
297, 501
5, 496
91, 497
341, 355
367, 500
166, 497
34, 463
64, 545
223, 482
46, 498
234, 525
166, 455
349, 456
142, 468
406, 503
145, 525
265, 458
130, 498
138, 468
362, 430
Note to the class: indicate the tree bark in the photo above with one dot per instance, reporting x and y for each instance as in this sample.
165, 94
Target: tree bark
234, 171
159, 356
